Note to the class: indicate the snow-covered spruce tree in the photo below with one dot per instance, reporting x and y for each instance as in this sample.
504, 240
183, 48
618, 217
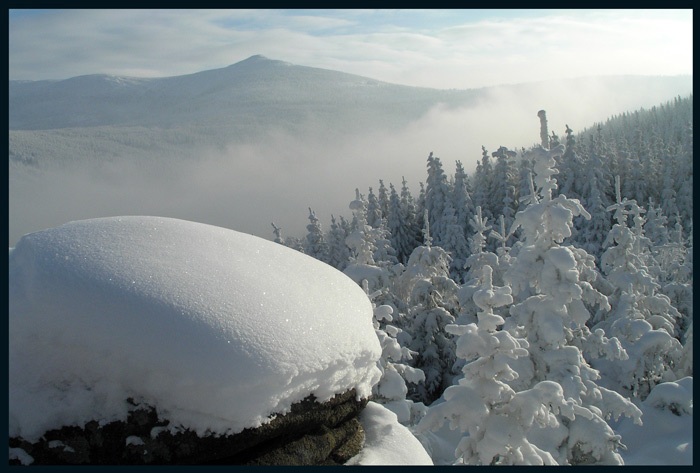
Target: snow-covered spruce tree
420, 209
383, 199
432, 300
385, 254
461, 198
402, 223
656, 226
685, 364
315, 244
495, 418
477, 259
338, 251
524, 182
503, 191
684, 183
642, 319
551, 287
290, 241
594, 189
477, 246
374, 211
570, 167
454, 243
482, 184
391, 389
359, 239
437, 195
361, 242
676, 260
502, 250
278, 233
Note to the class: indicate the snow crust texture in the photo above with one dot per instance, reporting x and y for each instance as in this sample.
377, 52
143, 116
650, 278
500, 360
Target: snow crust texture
217, 328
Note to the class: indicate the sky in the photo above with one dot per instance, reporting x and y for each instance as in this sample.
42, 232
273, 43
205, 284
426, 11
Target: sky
428, 48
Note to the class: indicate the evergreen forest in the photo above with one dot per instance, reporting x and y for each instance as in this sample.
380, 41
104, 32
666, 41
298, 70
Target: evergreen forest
550, 290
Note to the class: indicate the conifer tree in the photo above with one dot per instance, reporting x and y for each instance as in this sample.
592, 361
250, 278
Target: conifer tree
482, 184
437, 193
524, 181
391, 389
684, 183
315, 244
551, 286
374, 211
383, 200
656, 227
411, 211
502, 250
432, 301
278, 233
684, 366
503, 192
461, 198
642, 318
594, 197
385, 254
338, 251
420, 209
401, 223
363, 242
477, 259
454, 243
496, 419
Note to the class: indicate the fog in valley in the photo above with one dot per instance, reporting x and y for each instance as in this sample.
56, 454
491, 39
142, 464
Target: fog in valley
275, 173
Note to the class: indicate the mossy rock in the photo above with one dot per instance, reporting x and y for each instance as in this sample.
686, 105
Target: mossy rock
312, 433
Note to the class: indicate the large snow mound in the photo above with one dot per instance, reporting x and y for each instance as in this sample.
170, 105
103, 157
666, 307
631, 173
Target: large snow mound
217, 328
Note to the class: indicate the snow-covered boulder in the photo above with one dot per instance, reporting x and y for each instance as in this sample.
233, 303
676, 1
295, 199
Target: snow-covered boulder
217, 329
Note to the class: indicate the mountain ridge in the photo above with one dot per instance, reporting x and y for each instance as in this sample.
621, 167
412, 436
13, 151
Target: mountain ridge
266, 91
103, 100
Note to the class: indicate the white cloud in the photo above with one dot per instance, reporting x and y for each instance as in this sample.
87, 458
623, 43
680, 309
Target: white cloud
377, 44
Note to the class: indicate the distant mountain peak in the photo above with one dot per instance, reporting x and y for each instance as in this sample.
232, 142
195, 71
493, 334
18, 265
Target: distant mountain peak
260, 60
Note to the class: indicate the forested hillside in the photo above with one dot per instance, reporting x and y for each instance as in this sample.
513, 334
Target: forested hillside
550, 291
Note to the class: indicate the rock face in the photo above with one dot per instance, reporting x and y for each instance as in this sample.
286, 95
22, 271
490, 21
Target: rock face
312, 433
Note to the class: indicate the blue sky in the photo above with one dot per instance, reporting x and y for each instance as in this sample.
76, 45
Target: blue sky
430, 48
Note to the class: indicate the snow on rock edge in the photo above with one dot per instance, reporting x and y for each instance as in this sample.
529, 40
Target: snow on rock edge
386, 441
217, 328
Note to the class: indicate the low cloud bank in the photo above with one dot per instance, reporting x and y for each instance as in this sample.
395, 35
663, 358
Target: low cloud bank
245, 187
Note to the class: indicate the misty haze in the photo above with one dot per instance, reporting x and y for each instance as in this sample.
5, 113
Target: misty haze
262, 140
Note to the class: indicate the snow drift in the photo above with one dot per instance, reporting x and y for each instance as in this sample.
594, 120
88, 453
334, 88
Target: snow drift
216, 328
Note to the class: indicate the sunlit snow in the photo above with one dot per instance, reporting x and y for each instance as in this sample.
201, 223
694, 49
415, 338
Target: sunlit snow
386, 441
218, 329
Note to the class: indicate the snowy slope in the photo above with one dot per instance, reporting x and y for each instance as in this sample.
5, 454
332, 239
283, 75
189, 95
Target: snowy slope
216, 328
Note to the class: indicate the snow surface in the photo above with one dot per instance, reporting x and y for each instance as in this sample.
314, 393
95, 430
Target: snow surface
386, 441
666, 437
217, 328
